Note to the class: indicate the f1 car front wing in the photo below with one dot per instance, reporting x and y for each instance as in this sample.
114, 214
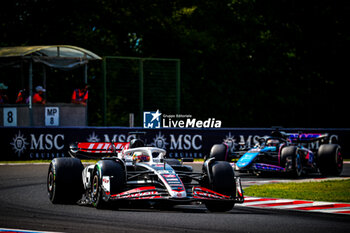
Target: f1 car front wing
196, 194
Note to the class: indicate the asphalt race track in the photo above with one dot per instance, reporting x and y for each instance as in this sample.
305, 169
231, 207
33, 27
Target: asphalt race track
24, 205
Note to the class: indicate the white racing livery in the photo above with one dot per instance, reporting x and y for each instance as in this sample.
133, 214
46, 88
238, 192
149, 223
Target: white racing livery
131, 172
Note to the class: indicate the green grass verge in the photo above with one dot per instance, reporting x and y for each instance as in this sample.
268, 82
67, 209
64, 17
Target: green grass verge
26, 161
333, 191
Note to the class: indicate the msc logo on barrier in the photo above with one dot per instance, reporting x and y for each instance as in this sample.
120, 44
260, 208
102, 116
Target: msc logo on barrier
40, 146
151, 120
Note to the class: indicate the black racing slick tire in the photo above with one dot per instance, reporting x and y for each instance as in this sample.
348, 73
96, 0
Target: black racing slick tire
64, 180
223, 182
292, 161
220, 152
330, 160
116, 173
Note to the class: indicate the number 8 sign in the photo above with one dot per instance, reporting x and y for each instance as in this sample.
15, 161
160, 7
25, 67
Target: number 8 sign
10, 116
52, 116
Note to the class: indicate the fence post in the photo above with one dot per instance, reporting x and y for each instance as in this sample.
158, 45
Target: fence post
178, 87
104, 70
131, 120
31, 91
141, 89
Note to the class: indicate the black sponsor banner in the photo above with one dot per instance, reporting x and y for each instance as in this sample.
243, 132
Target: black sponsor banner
31, 143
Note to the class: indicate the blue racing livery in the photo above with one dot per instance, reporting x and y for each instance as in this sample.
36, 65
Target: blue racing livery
249, 157
288, 153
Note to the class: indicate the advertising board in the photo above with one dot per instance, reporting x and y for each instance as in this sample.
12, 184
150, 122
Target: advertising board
27, 143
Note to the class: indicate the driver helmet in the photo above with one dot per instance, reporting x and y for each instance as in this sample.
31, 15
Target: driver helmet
272, 142
140, 157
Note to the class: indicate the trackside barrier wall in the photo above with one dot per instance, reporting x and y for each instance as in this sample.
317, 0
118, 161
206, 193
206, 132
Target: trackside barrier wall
32, 143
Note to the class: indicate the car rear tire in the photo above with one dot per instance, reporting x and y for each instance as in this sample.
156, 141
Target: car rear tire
330, 160
223, 182
64, 180
220, 152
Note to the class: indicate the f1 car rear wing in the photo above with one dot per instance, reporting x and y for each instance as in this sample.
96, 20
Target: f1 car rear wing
300, 137
96, 150
307, 137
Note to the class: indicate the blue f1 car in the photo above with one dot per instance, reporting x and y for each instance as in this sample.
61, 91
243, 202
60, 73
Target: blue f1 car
288, 153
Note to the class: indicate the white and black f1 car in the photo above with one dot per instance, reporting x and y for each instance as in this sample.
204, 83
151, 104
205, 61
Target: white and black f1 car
131, 172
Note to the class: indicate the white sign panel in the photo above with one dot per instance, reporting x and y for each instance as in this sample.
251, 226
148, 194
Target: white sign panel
52, 116
10, 116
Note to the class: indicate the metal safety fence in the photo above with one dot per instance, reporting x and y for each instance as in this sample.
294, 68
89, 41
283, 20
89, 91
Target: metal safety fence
133, 85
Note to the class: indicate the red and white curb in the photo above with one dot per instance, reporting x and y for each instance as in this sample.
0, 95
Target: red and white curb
298, 205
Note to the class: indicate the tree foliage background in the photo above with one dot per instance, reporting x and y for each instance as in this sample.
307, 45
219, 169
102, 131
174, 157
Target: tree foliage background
248, 63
